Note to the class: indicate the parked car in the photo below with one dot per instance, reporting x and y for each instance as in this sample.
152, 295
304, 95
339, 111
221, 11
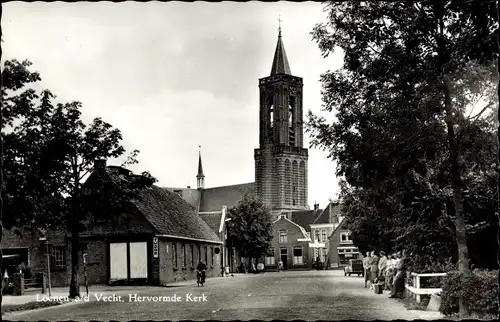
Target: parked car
354, 266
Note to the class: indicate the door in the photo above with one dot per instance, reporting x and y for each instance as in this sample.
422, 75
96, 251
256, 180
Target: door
139, 260
118, 261
284, 257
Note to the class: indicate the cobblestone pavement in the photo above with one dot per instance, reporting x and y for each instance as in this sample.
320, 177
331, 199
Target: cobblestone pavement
304, 295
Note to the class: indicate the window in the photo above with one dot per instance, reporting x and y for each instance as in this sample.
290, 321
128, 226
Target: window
297, 256
323, 235
325, 253
192, 256
271, 115
184, 256
317, 235
283, 238
174, 254
58, 256
212, 256
345, 237
270, 260
206, 255
341, 251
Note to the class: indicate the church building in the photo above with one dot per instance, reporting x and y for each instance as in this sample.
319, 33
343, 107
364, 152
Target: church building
280, 170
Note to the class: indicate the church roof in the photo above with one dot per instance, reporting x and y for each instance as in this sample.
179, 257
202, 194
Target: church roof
280, 61
212, 199
305, 218
212, 219
167, 212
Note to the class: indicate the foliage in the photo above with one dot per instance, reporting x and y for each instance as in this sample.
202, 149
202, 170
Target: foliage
250, 227
29, 306
479, 288
49, 152
406, 159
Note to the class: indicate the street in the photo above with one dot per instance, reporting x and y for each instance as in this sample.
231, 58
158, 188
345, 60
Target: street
304, 295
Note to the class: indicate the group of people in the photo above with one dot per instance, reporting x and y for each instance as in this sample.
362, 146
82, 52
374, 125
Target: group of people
388, 271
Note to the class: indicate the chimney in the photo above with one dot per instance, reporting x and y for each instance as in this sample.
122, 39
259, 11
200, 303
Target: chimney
316, 206
99, 165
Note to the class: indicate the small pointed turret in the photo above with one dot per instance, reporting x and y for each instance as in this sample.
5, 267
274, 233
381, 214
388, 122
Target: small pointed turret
280, 61
200, 177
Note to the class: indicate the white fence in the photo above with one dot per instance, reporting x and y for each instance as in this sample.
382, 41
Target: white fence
416, 291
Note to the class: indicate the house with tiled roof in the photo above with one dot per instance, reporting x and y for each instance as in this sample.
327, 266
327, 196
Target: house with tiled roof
322, 227
161, 242
340, 246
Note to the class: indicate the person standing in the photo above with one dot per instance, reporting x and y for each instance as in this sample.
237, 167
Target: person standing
366, 267
399, 281
389, 272
382, 265
373, 269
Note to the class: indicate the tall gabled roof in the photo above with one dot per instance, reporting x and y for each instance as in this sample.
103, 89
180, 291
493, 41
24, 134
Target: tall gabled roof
213, 219
305, 218
324, 217
280, 61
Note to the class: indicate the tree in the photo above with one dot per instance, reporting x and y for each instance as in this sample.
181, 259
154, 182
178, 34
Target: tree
498, 162
250, 228
14, 76
403, 80
51, 153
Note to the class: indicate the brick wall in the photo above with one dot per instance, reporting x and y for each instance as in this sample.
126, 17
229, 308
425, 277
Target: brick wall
274, 182
293, 233
186, 270
37, 251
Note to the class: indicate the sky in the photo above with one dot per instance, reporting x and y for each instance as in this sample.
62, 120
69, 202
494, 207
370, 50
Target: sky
172, 76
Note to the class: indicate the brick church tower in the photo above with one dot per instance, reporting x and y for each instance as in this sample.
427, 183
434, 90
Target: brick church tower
281, 160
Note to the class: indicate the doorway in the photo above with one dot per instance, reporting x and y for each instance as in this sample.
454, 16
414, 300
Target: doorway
284, 258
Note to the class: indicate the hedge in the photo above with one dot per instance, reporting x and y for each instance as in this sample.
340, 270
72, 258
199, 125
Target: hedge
479, 289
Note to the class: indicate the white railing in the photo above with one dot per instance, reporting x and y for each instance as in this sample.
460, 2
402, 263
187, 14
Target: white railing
416, 291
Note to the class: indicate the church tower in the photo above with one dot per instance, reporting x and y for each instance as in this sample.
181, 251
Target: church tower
281, 159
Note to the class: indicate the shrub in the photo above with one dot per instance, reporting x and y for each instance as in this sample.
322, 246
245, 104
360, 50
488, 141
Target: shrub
479, 289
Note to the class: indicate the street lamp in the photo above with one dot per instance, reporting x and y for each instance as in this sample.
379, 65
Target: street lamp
224, 246
48, 261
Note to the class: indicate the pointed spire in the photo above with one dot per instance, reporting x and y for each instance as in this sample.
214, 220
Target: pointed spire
200, 177
280, 61
200, 166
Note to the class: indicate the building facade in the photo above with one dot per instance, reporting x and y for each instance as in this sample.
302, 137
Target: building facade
341, 248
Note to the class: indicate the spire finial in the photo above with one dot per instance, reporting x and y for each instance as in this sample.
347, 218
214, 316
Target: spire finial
279, 25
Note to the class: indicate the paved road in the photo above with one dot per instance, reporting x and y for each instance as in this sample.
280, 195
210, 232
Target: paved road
304, 295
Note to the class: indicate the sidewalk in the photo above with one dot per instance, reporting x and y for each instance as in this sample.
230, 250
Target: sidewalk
419, 314
63, 292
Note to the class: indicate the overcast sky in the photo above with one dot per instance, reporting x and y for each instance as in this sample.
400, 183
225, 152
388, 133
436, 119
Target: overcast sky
172, 76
